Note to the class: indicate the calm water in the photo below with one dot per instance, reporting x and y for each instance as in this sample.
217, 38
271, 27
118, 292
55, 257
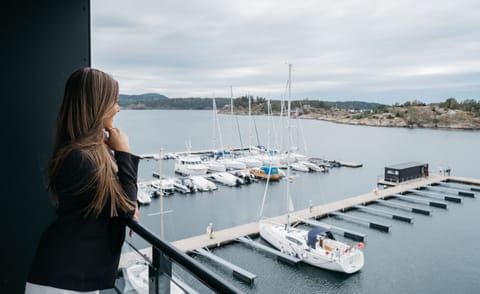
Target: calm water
435, 254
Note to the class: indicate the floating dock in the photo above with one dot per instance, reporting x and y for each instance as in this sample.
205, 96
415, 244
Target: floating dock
200, 244
227, 236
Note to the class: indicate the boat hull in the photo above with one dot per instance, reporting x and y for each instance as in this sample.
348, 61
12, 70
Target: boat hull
292, 241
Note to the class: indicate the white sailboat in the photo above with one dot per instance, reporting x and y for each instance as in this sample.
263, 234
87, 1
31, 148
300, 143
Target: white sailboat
316, 246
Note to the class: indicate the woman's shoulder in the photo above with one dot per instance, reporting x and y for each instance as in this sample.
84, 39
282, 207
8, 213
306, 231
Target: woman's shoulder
78, 160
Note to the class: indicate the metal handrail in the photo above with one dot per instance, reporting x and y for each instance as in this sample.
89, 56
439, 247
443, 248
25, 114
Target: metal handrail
211, 279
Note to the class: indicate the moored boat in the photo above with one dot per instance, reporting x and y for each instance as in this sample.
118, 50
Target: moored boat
316, 247
266, 172
190, 165
203, 184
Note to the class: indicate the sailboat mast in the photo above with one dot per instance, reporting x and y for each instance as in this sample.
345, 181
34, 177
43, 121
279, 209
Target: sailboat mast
236, 120
289, 200
249, 123
217, 124
160, 167
214, 137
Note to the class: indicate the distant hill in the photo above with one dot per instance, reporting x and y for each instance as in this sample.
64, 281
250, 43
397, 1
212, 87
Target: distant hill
259, 104
158, 101
148, 100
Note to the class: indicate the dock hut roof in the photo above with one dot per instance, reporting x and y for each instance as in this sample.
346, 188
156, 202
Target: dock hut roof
405, 165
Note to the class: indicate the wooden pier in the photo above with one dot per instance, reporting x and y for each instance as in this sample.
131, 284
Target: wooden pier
200, 244
233, 234
251, 229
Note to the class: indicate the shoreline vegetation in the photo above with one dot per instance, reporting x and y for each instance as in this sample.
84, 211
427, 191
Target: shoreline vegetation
450, 114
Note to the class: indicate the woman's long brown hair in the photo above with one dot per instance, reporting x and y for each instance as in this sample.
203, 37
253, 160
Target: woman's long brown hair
90, 94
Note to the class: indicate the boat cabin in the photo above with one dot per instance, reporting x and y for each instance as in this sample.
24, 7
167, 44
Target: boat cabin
318, 232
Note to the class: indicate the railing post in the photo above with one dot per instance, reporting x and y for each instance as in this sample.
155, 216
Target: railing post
153, 274
159, 273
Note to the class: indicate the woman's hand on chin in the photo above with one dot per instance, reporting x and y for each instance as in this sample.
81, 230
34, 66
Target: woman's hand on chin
117, 140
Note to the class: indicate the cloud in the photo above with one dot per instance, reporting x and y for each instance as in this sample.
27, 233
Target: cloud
383, 51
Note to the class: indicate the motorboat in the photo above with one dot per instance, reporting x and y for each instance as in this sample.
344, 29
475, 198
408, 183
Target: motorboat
185, 185
203, 184
165, 186
214, 166
271, 173
246, 176
226, 179
137, 277
298, 166
316, 247
190, 165
312, 166
323, 163
144, 197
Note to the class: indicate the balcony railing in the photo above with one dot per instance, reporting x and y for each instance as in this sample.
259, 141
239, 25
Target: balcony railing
161, 277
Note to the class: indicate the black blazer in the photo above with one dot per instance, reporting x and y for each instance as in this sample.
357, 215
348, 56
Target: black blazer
79, 252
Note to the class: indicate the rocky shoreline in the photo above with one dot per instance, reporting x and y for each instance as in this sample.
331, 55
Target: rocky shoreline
413, 117
431, 117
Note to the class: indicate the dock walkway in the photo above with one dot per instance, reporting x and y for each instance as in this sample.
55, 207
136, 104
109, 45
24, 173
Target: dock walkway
251, 229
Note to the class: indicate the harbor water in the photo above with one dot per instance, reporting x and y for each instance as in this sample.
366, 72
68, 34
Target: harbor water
435, 254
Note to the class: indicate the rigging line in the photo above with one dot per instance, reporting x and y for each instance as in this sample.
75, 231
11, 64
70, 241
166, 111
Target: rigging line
289, 200
232, 116
239, 132
256, 130
217, 122
265, 191
214, 134
302, 133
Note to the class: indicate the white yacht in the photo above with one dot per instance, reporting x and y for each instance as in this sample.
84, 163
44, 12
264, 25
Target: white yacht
190, 165
316, 247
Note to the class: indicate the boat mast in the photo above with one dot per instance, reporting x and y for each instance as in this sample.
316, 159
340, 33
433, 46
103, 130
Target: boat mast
249, 123
160, 166
217, 124
236, 119
289, 200
214, 136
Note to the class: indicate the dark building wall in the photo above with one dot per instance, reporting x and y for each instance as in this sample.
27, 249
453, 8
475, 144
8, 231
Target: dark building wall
42, 43
405, 174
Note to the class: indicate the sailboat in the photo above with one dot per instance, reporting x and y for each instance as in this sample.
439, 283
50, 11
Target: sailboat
316, 246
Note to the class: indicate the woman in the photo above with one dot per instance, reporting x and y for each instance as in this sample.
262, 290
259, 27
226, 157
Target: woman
93, 182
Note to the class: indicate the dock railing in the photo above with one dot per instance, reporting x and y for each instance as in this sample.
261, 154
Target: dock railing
164, 257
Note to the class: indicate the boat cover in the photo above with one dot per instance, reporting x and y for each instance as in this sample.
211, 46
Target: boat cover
273, 170
312, 235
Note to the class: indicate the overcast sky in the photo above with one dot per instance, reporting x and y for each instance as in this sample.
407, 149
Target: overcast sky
380, 51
